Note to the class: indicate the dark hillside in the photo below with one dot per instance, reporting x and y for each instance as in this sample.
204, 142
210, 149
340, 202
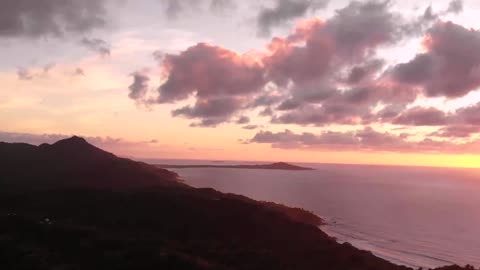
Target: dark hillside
74, 163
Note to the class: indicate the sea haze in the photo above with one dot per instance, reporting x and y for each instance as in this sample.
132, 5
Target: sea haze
419, 217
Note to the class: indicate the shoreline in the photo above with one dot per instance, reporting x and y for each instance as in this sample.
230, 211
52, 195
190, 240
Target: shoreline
390, 254
395, 252
151, 213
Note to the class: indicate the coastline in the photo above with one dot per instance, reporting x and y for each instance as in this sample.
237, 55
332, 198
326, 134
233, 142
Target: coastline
393, 243
153, 220
397, 256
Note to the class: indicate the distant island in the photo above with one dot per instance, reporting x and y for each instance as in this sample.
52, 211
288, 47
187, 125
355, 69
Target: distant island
272, 166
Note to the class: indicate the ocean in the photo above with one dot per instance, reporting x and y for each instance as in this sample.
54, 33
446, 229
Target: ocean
419, 217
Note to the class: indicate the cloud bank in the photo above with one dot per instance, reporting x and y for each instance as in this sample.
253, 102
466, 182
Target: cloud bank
329, 71
41, 18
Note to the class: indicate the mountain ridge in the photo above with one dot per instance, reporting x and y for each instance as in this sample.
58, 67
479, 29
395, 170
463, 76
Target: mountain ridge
83, 164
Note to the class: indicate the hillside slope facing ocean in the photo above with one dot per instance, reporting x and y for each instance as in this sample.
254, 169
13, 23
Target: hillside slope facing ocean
73, 206
75, 163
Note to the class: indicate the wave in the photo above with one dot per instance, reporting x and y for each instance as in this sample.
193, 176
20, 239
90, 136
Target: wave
390, 249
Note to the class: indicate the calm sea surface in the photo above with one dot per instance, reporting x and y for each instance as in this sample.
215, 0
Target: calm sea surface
420, 217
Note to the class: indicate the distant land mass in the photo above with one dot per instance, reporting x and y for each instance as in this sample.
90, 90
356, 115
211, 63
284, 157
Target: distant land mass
72, 206
272, 166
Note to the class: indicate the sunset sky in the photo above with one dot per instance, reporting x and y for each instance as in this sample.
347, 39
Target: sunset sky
370, 82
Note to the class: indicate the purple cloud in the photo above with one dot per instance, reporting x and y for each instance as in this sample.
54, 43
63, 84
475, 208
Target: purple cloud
362, 140
450, 67
26, 18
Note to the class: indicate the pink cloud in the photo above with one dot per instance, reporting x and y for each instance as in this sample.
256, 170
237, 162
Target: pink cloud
451, 65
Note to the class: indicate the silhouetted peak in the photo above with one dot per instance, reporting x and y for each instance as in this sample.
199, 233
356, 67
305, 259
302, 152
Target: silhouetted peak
73, 141
77, 147
286, 166
282, 164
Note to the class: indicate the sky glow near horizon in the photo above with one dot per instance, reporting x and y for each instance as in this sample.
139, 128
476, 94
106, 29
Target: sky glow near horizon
370, 82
